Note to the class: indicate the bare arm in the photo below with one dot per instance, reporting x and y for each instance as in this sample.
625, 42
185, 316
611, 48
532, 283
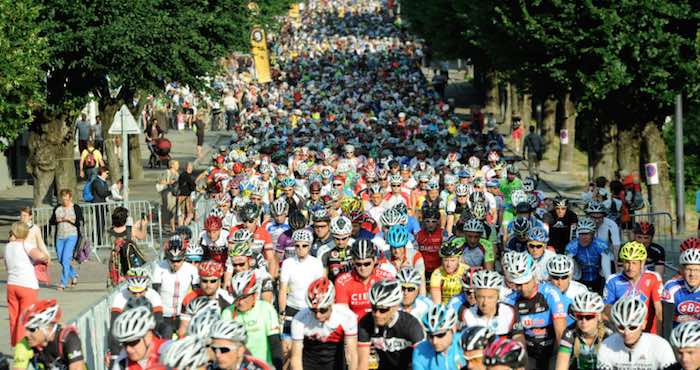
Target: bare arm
80, 365
659, 311
297, 347
362, 354
351, 352
559, 327
436, 294
38, 255
271, 258
282, 297
563, 361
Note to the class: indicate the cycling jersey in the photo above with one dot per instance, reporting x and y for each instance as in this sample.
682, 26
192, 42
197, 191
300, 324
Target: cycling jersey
588, 257
152, 359
216, 250
608, 232
173, 286
317, 245
419, 307
391, 346
324, 342
429, 246
222, 297
560, 229
336, 260
51, 357
505, 322
285, 246
656, 256
537, 315
450, 285
541, 265
350, 290
686, 301
260, 322
651, 352
582, 356
275, 230
506, 187
575, 288
425, 357
120, 299
648, 288
478, 255
517, 245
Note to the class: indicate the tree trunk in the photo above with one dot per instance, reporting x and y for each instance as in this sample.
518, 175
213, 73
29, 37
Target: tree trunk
492, 101
508, 115
109, 108
566, 151
113, 163
654, 151
549, 122
629, 144
526, 110
515, 100
603, 155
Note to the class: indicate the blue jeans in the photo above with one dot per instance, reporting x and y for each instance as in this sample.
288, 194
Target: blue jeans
64, 251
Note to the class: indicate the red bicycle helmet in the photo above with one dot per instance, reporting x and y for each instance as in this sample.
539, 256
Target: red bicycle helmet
212, 223
692, 242
41, 314
506, 352
210, 269
320, 293
644, 228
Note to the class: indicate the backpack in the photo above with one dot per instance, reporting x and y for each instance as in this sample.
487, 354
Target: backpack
90, 160
87, 190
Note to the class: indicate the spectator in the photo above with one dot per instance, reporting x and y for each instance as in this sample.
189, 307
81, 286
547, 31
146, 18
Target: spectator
231, 107
186, 186
67, 217
116, 191
533, 147
35, 237
84, 130
167, 186
199, 131
22, 284
153, 132
97, 134
90, 161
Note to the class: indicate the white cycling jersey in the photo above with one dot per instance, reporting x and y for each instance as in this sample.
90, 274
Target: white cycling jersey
651, 352
575, 288
420, 306
541, 265
174, 285
505, 322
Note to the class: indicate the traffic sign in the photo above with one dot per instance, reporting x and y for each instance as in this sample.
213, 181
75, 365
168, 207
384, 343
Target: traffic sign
124, 117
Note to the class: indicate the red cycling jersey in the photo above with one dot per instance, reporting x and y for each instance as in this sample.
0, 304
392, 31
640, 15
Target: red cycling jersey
350, 290
429, 246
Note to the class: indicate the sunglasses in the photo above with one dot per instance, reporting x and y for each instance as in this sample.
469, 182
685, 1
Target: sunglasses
337, 184
342, 238
558, 277
320, 226
584, 317
363, 264
630, 328
437, 335
209, 281
221, 350
409, 289
315, 192
381, 310
239, 264
320, 310
301, 245
242, 297
132, 343
535, 245
31, 330
430, 221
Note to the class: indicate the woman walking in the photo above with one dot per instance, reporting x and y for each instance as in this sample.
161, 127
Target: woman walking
22, 284
67, 217
34, 237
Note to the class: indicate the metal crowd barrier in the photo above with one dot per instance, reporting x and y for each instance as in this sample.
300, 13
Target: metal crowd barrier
202, 206
664, 235
98, 219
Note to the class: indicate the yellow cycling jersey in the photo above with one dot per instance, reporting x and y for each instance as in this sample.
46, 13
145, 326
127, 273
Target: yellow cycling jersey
450, 284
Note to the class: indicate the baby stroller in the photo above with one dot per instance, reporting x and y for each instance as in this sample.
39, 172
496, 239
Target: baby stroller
160, 153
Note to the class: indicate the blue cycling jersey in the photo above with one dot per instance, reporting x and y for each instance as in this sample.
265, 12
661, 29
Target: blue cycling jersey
425, 357
457, 302
537, 315
413, 227
588, 258
686, 301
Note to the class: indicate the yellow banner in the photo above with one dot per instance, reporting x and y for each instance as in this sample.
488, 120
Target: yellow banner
261, 56
294, 12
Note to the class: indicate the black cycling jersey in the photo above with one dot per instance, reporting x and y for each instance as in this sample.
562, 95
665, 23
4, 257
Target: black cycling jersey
337, 261
560, 229
514, 244
656, 256
318, 244
52, 358
393, 344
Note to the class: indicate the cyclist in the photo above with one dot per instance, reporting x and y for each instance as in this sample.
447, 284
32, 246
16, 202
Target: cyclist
519, 228
352, 288
505, 354
413, 302
685, 338
191, 353
474, 340
631, 347
172, 279
656, 254
684, 292
579, 345
590, 254
537, 248
498, 317
510, 183
562, 223
477, 251
285, 244
386, 337
335, 257
259, 318
134, 331
560, 269
606, 229
210, 273
373, 206
398, 237
429, 240
242, 258
194, 254
442, 348
634, 280
446, 282
278, 225
322, 235
213, 241
541, 308
458, 206
249, 215
324, 334
48, 344
296, 275
228, 339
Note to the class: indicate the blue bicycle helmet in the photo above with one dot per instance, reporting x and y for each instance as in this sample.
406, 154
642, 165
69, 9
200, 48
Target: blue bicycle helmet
397, 236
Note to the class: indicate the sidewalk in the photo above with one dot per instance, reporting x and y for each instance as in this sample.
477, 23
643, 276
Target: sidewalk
92, 281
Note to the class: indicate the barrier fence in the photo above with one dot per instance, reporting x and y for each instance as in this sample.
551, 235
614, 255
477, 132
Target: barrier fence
98, 220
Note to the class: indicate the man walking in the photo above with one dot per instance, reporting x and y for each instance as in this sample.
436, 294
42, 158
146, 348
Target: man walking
533, 147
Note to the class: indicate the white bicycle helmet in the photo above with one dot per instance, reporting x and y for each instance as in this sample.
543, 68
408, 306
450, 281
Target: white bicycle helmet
133, 324
194, 253
188, 353
596, 207
519, 268
242, 235
585, 225
560, 265
474, 162
244, 283
341, 226
409, 276
450, 179
320, 293
201, 303
433, 185
462, 190
690, 257
518, 196
487, 279
629, 311
376, 189
303, 235
202, 322
138, 279
279, 207
229, 330
686, 335
473, 226
440, 318
478, 211
390, 217
528, 185
41, 314
385, 293
587, 302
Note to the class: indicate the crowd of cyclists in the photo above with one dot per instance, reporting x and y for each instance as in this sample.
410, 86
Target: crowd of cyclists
359, 223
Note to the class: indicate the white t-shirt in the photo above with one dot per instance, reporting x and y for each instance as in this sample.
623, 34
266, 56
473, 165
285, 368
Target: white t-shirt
609, 232
174, 286
298, 275
650, 353
20, 270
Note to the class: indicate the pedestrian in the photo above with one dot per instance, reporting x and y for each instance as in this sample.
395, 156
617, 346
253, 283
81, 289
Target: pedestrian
35, 237
84, 129
67, 217
97, 134
186, 186
117, 191
231, 107
167, 186
199, 131
516, 133
22, 284
533, 147
90, 160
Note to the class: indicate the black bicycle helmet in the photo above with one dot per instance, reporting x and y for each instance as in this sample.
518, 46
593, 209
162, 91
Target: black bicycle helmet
249, 212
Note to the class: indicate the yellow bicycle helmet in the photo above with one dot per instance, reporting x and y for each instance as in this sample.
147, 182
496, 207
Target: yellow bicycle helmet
350, 204
633, 251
